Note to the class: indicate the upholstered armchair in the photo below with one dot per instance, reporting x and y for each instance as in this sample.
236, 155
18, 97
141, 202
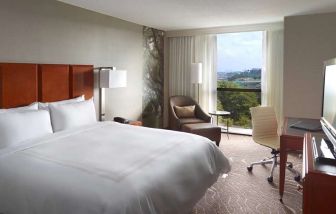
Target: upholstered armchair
176, 123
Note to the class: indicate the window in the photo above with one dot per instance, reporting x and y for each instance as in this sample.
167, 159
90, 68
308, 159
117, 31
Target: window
239, 63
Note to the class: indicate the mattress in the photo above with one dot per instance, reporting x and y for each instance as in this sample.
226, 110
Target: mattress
109, 168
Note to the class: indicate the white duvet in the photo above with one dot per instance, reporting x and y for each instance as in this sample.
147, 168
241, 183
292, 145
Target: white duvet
108, 168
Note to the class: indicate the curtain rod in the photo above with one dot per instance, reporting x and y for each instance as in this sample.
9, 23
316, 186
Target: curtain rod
228, 29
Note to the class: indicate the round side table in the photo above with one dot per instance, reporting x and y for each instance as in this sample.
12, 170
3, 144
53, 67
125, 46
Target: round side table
224, 114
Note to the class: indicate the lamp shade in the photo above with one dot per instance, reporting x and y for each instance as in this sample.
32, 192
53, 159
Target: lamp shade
196, 73
113, 78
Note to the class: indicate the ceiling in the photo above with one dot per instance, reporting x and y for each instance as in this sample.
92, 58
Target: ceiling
191, 14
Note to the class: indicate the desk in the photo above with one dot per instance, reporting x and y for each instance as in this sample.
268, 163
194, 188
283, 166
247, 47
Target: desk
222, 114
290, 140
319, 181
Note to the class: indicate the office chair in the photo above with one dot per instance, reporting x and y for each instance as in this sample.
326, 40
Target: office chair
265, 132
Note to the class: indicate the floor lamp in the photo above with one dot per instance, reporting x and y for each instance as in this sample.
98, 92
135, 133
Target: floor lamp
109, 77
196, 76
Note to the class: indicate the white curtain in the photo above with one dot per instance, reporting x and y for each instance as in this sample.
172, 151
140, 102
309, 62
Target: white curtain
206, 53
186, 50
180, 59
272, 74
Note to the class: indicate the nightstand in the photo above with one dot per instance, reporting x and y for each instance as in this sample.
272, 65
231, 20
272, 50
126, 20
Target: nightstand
135, 123
130, 122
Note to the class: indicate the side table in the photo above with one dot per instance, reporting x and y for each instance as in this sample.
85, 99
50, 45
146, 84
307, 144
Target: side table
224, 114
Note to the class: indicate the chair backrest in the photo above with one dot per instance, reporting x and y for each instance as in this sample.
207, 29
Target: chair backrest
264, 122
184, 101
181, 101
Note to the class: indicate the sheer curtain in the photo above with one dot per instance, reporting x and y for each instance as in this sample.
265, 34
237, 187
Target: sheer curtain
193, 49
180, 59
206, 53
272, 75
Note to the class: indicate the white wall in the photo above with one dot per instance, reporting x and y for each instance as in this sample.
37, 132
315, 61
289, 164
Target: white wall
47, 31
309, 41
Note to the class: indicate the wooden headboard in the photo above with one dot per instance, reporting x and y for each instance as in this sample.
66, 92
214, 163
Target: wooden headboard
22, 84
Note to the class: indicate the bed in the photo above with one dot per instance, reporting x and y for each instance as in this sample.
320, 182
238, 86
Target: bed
104, 167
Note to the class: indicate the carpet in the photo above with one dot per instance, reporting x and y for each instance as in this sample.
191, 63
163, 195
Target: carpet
244, 192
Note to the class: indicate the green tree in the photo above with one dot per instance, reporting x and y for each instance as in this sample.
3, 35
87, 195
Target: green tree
238, 103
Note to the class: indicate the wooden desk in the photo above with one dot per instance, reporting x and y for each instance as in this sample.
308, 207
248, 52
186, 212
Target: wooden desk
319, 181
290, 140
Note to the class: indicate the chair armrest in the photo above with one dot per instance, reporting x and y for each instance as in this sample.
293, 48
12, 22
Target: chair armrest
202, 115
174, 120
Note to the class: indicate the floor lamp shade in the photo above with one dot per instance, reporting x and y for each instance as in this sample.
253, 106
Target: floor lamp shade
196, 73
109, 78
113, 78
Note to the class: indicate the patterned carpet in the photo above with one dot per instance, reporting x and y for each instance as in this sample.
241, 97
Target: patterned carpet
244, 192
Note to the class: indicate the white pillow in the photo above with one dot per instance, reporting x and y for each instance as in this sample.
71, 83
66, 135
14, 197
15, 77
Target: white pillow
32, 106
72, 115
16, 127
44, 106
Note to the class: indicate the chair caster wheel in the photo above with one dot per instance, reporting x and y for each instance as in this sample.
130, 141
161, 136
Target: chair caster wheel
297, 178
290, 165
249, 168
270, 179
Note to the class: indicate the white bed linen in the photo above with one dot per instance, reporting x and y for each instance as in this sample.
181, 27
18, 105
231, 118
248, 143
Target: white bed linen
109, 168
71, 115
19, 126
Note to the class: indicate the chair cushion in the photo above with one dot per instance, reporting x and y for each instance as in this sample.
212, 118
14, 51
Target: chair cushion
190, 121
271, 142
185, 111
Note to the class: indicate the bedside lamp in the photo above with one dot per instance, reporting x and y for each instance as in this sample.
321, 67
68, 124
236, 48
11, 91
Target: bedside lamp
196, 76
109, 77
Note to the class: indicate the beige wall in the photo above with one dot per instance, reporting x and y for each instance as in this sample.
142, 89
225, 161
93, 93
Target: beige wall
47, 31
309, 41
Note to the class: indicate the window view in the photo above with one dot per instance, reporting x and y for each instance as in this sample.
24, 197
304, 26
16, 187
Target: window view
239, 63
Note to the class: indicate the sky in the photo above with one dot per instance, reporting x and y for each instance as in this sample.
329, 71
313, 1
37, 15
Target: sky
239, 51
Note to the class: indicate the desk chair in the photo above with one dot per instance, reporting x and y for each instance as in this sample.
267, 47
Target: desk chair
265, 133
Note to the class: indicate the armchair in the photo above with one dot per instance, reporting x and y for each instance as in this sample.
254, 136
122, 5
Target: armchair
176, 123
